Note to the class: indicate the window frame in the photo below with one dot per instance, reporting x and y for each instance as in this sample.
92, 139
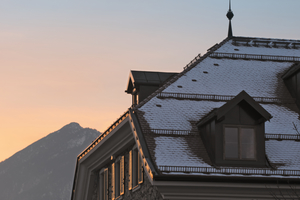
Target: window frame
104, 185
136, 169
239, 127
118, 177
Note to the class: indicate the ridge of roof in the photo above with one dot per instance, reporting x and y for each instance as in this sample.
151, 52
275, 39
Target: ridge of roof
261, 57
186, 69
262, 38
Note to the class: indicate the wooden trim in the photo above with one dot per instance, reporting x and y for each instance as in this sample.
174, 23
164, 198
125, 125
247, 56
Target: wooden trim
106, 190
122, 177
113, 181
130, 171
140, 170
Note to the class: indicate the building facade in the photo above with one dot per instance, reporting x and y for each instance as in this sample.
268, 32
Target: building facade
226, 127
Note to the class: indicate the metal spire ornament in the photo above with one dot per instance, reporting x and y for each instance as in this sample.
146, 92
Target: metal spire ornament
230, 16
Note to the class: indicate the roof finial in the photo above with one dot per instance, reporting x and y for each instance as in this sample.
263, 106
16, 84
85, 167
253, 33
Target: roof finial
230, 16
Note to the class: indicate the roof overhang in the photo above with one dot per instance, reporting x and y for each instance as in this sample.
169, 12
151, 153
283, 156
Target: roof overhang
186, 190
117, 141
137, 78
242, 96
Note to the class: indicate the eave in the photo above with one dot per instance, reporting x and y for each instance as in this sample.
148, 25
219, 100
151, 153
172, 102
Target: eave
142, 146
188, 190
87, 163
97, 155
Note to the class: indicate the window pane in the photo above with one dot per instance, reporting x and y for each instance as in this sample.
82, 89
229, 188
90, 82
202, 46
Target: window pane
231, 142
117, 179
135, 167
130, 170
247, 137
140, 172
113, 180
122, 176
105, 185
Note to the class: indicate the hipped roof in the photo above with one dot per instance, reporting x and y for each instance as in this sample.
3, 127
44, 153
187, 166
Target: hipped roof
169, 116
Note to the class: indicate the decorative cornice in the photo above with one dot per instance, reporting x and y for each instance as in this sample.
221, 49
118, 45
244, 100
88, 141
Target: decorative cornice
102, 136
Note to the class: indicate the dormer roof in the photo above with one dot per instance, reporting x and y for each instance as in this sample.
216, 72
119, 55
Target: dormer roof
291, 71
137, 78
242, 96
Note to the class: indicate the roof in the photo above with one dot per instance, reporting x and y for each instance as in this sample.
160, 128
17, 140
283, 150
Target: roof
168, 117
137, 78
242, 96
293, 69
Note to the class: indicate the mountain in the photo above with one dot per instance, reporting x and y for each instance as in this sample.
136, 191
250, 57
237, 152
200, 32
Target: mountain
45, 169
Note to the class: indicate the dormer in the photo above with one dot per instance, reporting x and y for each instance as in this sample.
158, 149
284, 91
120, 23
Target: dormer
143, 83
234, 133
291, 79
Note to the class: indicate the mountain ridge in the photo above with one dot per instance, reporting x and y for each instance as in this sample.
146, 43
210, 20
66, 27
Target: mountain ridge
44, 170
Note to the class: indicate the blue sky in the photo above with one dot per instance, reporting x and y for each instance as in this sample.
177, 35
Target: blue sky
65, 61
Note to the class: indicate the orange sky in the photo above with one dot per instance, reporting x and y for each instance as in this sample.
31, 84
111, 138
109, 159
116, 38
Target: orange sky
68, 61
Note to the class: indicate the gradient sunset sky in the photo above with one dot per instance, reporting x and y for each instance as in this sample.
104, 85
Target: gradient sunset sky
68, 61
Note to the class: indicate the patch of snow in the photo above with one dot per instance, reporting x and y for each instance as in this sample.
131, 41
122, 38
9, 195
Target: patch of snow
76, 142
230, 77
21, 190
284, 153
283, 119
176, 114
167, 148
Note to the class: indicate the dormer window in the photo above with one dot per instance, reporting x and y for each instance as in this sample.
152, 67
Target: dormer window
233, 134
143, 83
239, 143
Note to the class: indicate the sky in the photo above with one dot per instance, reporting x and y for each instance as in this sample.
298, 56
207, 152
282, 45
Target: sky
68, 61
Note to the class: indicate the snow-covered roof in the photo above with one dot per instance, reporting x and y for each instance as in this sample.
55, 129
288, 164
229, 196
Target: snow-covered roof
168, 117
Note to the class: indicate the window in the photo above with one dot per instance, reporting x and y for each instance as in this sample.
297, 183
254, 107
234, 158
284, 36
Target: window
135, 169
117, 177
239, 143
104, 184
